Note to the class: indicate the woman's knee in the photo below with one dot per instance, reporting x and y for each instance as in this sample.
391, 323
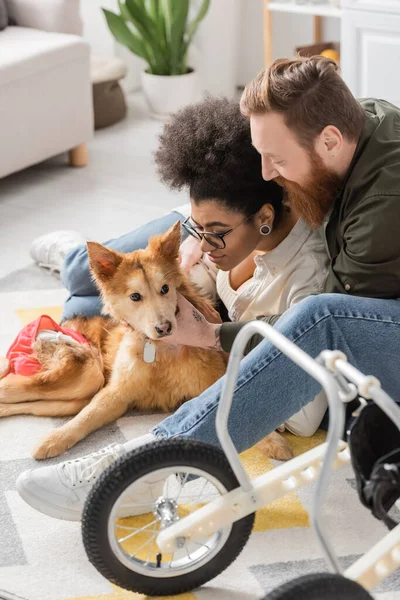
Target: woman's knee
89, 306
75, 273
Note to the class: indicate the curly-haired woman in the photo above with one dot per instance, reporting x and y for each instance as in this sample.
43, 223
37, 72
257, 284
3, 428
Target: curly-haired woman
256, 254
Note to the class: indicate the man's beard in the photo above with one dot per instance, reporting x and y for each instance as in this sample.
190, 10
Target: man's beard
313, 200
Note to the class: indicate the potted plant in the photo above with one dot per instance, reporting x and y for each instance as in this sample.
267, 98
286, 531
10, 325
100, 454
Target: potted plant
160, 32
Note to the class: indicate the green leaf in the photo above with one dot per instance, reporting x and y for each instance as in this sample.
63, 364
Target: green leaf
178, 28
124, 35
140, 18
124, 11
146, 27
156, 14
154, 10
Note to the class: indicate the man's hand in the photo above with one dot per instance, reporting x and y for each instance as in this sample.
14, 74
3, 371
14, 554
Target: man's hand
190, 253
193, 328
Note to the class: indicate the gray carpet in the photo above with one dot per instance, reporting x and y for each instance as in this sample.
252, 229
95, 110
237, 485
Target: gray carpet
7, 596
29, 278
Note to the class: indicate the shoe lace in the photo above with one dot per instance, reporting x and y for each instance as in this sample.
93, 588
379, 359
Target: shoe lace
85, 468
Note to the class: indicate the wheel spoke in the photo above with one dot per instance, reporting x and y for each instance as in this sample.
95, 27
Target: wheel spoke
137, 531
151, 549
182, 486
187, 552
143, 545
202, 490
129, 528
201, 544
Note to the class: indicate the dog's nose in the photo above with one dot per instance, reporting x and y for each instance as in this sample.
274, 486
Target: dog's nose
164, 328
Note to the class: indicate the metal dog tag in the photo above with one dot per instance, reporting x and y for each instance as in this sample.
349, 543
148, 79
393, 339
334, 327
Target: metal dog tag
149, 352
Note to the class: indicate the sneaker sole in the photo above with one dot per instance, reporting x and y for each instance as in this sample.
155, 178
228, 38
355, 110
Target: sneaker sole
63, 514
47, 509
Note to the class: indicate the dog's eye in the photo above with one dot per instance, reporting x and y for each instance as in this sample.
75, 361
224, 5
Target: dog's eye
135, 297
164, 289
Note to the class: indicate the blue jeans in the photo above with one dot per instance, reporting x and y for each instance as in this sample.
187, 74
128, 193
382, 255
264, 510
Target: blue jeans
84, 297
271, 388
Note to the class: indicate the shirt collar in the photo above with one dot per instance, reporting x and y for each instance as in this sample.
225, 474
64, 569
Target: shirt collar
370, 124
278, 258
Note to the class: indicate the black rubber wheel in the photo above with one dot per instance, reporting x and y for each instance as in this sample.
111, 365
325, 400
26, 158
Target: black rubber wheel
118, 477
320, 586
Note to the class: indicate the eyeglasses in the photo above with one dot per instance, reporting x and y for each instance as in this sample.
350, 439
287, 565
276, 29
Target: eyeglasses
214, 239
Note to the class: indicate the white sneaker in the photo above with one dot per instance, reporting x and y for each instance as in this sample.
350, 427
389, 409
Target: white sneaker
60, 491
49, 250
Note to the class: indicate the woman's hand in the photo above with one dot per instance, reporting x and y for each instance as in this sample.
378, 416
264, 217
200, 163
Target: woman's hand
190, 253
193, 328
211, 315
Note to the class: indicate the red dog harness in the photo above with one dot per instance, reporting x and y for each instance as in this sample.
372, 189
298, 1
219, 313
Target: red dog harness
20, 354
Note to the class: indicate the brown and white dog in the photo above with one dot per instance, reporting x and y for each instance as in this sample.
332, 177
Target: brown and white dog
98, 382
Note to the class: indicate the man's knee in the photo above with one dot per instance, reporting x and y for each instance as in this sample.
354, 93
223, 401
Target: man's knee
324, 304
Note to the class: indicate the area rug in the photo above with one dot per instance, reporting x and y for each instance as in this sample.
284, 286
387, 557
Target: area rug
43, 558
31, 277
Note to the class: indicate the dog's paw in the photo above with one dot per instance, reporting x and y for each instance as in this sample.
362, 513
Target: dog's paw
52, 445
275, 446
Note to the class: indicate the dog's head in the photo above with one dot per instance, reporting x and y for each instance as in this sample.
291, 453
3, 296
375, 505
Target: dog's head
141, 287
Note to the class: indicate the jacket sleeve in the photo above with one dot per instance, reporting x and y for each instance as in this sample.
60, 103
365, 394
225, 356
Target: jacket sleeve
368, 263
229, 331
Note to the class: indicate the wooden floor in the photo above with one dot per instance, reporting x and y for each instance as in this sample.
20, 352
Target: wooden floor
115, 193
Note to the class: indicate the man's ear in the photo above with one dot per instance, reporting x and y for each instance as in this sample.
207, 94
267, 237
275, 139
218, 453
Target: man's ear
103, 261
167, 244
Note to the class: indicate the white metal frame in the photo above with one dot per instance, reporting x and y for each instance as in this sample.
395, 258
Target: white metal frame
341, 382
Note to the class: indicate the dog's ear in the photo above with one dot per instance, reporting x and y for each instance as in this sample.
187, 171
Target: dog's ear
103, 261
169, 243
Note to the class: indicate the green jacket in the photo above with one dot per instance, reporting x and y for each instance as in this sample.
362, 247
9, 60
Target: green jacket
363, 231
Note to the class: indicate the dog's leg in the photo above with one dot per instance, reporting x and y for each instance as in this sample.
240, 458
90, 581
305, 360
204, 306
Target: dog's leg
275, 446
4, 366
107, 406
52, 385
44, 408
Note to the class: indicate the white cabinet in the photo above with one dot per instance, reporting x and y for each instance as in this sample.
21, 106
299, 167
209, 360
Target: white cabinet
391, 6
370, 48
369, 37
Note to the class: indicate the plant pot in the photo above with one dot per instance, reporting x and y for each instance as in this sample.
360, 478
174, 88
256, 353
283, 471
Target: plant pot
166, 94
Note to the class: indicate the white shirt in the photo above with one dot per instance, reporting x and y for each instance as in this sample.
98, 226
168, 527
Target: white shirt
295, 269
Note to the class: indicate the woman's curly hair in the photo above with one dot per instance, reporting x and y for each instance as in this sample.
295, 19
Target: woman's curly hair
206, 148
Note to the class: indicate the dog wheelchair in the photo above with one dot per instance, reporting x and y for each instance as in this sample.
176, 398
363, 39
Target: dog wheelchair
203, 503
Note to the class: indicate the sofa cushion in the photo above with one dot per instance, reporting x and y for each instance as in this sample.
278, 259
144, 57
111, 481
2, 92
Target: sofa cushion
25, 51
60, 16
3, 15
